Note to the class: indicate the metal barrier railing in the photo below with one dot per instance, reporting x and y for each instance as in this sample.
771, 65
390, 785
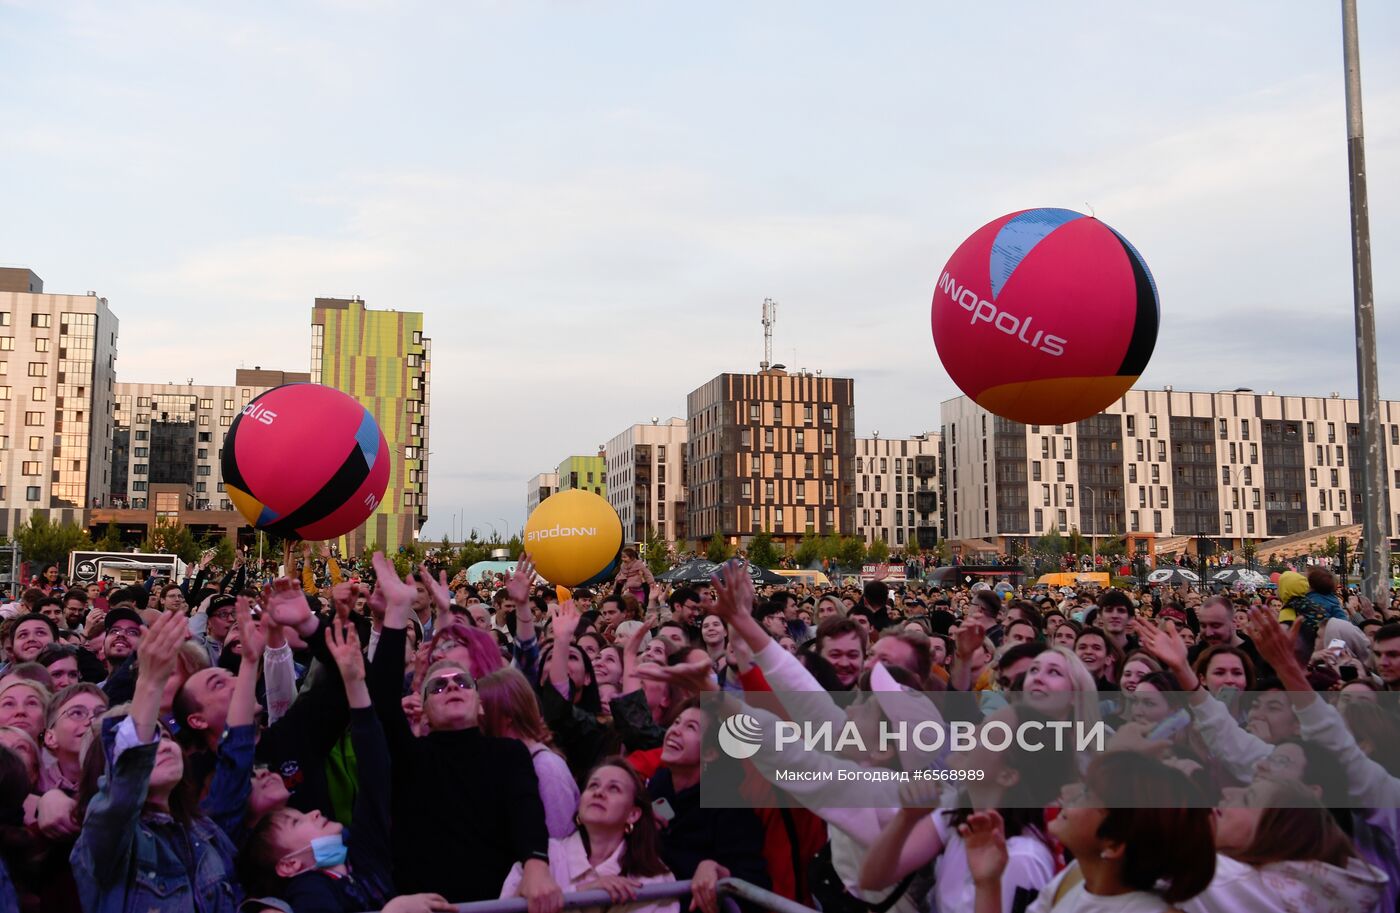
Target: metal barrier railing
729, 889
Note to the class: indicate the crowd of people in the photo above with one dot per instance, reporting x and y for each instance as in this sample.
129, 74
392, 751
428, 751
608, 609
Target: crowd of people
344, 738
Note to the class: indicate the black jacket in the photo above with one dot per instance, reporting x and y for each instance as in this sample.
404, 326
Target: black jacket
369, 883
733, 837
466, 806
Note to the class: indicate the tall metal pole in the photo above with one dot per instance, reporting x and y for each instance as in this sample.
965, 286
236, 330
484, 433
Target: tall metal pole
1376, 550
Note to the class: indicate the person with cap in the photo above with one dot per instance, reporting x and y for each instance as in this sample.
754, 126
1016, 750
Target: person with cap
219, 612
123, 627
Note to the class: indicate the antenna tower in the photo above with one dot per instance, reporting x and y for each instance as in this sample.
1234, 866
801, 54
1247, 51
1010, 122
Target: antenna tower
770, 317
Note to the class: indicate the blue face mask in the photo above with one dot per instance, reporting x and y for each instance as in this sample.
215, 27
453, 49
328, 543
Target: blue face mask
329, 851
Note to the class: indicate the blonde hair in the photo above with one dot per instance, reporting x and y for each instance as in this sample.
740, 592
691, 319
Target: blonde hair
1086, 690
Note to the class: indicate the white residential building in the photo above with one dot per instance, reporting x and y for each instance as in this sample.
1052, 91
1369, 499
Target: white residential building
538, 489
646, 478
1232, 466
897, 490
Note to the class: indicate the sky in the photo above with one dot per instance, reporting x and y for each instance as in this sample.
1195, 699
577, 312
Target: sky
590, 200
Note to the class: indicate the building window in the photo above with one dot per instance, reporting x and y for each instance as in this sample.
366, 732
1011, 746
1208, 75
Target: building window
1156, 521
139, 469
1039, 518
1059, 472
1131, 421
31, 493
1249, 523
777, 517
40, 320
1133, 521
38, 369
827, 440
826, 414
34, 419
228, 405
206, 404
1045, 495
768, 438
30, 468
1069, 496
201, 470
798, 440
1069, 449
1063, 520
746, 490
1035, 471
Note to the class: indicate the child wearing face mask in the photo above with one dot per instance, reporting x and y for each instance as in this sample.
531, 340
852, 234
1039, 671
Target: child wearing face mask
315, 863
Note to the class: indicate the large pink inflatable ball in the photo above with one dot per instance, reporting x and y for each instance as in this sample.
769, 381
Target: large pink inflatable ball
1045, 316
305, 461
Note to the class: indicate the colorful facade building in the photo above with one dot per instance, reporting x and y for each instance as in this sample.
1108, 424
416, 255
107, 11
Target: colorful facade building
382, 358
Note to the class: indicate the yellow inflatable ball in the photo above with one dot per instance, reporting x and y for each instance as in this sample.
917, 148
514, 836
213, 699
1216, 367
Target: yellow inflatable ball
575, 538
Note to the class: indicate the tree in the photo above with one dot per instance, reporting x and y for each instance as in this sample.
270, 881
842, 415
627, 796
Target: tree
850, 552
1329, 547
718, 550
111, 540
43, 542
879, 552
224, 552
809, 550
515, 547
655, 553
762, 553
171, 539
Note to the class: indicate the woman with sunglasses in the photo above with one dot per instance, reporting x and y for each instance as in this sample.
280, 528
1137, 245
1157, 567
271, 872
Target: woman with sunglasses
616, 847
458, 793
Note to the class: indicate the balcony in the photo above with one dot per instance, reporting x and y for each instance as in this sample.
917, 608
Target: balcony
926, 501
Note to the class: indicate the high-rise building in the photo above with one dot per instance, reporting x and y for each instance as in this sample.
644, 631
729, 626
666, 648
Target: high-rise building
646, 480
897, 490
1231, 466
770, 452
382, 359
58, 358
173, 435
539, 489
589, 473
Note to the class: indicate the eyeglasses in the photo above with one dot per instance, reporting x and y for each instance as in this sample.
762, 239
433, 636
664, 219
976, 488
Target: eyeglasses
223, 616
456, 681
125, 630
80, 714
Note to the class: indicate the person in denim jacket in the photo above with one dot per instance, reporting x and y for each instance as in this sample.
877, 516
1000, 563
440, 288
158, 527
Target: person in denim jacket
144, 846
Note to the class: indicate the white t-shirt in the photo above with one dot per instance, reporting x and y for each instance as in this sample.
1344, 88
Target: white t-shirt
1029, 865
1078, 900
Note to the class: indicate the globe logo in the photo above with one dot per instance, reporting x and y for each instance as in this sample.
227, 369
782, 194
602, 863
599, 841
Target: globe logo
740, 736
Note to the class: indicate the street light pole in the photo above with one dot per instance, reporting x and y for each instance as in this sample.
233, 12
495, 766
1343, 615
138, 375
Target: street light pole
1373, 521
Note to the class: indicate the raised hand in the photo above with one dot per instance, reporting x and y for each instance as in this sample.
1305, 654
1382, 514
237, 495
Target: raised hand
969, 638
251, 640
160, 645
694, 677
734, 591
984, 840
343, 642
565, 623
1164, 643
437, 587
398, 595
285, 602
343, 596
1276, 644
518, 586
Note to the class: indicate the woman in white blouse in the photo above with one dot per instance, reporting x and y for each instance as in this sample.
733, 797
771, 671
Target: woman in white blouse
616, 847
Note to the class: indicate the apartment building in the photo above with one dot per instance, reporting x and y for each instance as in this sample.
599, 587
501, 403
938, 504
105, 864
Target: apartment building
1233, 466
897, 490
645, 467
